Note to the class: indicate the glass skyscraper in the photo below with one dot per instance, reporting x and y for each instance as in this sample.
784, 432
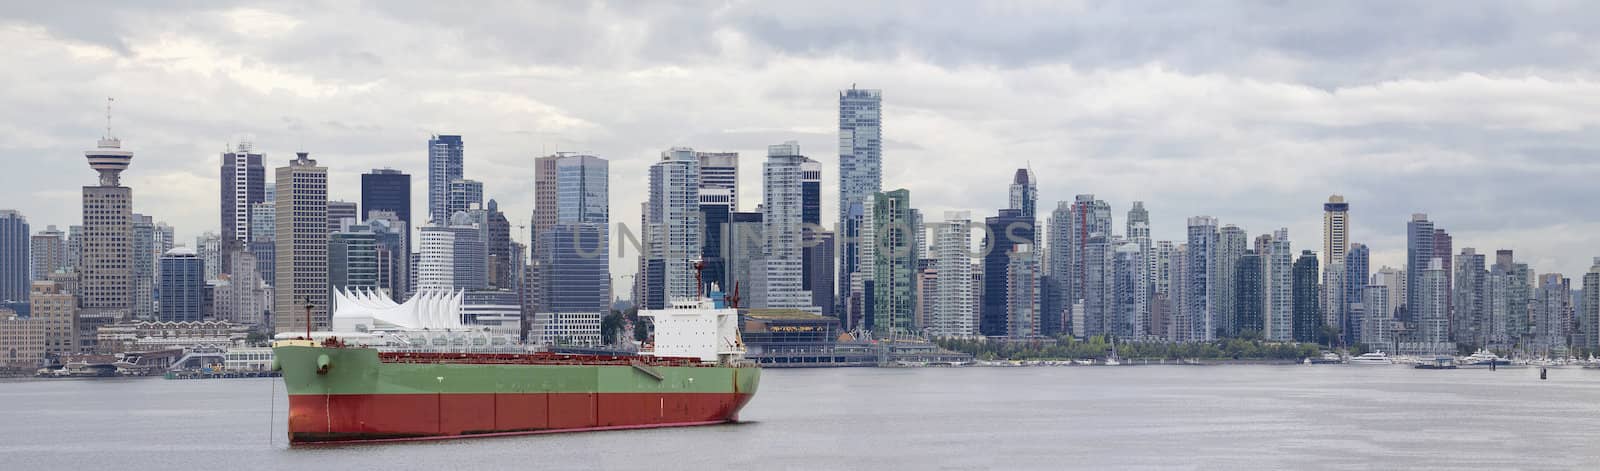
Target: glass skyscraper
445, 165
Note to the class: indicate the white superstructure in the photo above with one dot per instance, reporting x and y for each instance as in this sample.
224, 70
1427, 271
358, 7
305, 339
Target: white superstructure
703, 329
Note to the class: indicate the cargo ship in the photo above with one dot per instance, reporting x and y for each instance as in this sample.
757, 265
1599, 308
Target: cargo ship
693, 373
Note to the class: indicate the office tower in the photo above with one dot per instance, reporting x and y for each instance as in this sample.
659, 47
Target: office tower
575, 272
57, 309
353, 259
1307, 311
75, 247
1509, 294
1200, 296
209, 246
778, 285
860, 171
952, 252
742, 239
1335, 244
894, 265
1025, 192
1443, 245
720, 170
1469, 314
673, 229
15, 276
386, 189
544, 198
243, 298
1419, 250
715, 206
391, 236
1005, 230
145, 267
341, 214
183, 286
263, 237
47, 253
810, 224
1129, 314
822, 258
1058, 269
1232, 242
301, 246
1097, 289
463, 195
1356, 270
105, 287
1377, 326
1589, 309
244, 182
1280, 287
1552, 307
1138, 221
1248, 295
452, 257
498, 247
445, 165
1431, 295
1022, 290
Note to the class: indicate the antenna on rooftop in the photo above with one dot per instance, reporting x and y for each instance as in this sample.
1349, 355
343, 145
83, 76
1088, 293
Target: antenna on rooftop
108, 115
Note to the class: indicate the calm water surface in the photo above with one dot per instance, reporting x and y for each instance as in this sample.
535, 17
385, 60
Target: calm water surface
1145, 417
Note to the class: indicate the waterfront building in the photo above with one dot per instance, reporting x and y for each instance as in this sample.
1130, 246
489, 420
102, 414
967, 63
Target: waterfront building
342, 214
243, 185
301, 250
54, 309
1201, 293
1307, 311
952, 307
1443, 245
673, 227
1419, 251
1588, 318
152, 336
860, 174
1005, 231
47, 253
1335, 247
1249, 292
445, 164
105, 286
183, 285
778, 284
894, 265
21, 342
1551, 312
1129, 315
1098, 306
497, 310
1509, 294
15, 272
1432, 294
1232, 243
145, 267
1022, 291
1377, 330
1357, 267
1470, 315
1058, 269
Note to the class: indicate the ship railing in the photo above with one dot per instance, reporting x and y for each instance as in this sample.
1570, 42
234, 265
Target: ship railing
543, 359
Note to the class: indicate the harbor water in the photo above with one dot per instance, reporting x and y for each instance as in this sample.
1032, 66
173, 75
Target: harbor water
1146, 417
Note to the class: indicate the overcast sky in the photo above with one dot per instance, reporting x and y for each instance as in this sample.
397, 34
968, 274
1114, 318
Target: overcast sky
1481, 114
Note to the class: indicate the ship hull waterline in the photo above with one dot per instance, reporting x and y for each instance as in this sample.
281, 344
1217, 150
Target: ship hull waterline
357, 398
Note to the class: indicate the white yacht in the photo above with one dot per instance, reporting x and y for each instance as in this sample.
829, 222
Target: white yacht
1372, 358
1483, 358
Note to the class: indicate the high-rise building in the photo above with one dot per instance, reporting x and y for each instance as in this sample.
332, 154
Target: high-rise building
1307, 311
1248, 295
894, 265
244, 182
1510, 291
497, 244
1005, 231
1357, 267
1335, 245
445, 164
952, 314
860, 173
1588, 322
47, 253
75, 247
463, 195
1419, 251
672, 220
1377, 325
720, 170
1279, 295
243, 298
57, 309
386, 189
1431, 295
1098, 307
1129, 314
183, 286
105, 286
822, 257
1470, 314
1058, 269
15, 272
1232, 243
1201, 293
209, 245
810, 224
145, 267
301, 246
1025, 192
778, 284
353, 259
1552, 309
342, 214
742, 239
574, 269
1138, 221
392, 237
715, 207
1443, 246
1022, 290
452, 257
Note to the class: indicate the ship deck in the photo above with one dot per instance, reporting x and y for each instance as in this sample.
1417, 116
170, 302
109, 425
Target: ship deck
543, 359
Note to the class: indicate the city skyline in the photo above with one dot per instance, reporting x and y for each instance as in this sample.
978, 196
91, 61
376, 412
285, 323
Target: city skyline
1340, 128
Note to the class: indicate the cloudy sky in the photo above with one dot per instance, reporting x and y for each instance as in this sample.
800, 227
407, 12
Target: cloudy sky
1483, 115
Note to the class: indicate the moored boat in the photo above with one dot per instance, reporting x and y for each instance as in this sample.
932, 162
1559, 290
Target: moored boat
1371, 358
